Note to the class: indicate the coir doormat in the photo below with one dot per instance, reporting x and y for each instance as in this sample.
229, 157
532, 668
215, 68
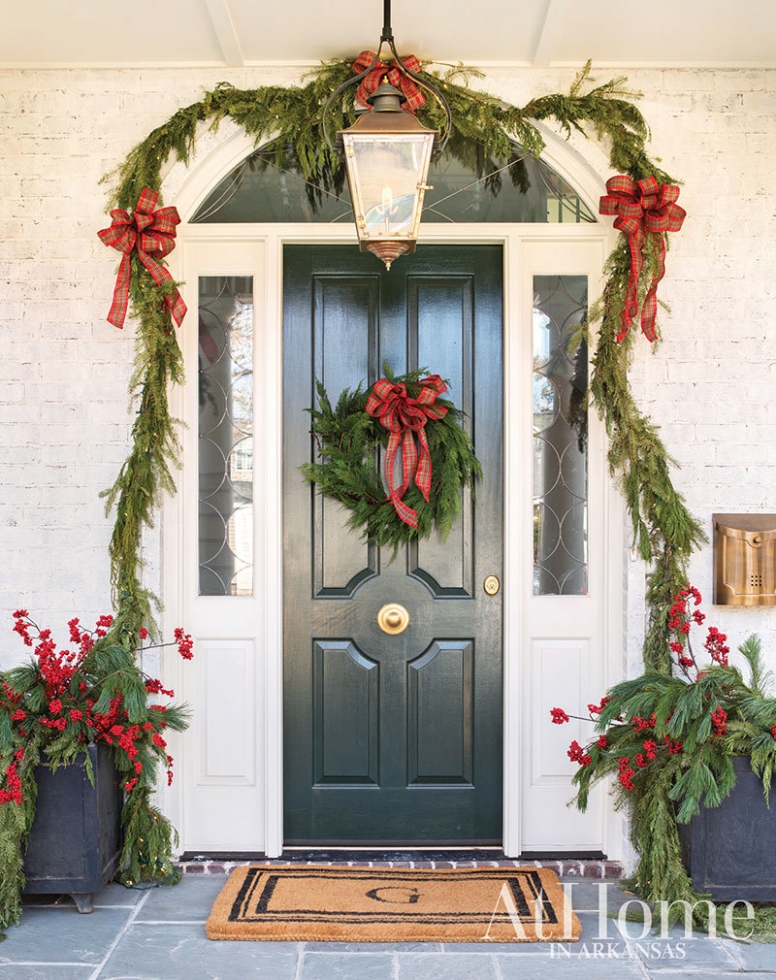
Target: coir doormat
297, 904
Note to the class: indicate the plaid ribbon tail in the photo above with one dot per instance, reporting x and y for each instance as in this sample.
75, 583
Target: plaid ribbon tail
405, 513
120, 302
409, 461
160, 274
649, 309
423, 471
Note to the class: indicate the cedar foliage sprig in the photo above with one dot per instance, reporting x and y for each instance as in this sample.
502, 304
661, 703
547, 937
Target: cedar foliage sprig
150, 841
16, 823
348, 441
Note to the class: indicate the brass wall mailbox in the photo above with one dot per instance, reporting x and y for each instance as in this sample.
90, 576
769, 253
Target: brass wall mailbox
745, 559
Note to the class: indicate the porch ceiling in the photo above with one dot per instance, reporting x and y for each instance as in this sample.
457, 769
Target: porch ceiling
710, 33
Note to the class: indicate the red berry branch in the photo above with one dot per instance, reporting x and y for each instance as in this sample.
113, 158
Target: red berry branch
89, 692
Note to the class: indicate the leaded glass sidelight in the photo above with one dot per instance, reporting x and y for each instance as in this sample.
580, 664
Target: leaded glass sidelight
560, 436
226, 435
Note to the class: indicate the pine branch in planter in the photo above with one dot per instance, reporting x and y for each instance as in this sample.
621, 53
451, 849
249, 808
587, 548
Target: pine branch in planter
150, 840
15, 825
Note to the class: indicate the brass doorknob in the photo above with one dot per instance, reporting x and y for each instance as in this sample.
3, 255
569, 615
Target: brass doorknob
393, 618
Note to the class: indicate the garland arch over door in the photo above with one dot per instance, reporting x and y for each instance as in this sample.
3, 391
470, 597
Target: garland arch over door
229, 800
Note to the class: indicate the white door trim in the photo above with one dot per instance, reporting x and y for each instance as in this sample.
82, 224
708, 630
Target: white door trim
187, 189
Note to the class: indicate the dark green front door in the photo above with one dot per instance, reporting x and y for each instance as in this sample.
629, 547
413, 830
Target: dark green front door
392, 739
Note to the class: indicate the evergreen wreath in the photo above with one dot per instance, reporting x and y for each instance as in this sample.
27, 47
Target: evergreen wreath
349, 438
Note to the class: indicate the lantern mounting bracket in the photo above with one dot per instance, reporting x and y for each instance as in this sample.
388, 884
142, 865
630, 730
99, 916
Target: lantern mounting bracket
387, 38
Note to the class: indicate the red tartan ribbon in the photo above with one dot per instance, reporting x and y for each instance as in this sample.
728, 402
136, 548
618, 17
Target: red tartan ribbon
643, 207
152, 234
415, 97
405, 418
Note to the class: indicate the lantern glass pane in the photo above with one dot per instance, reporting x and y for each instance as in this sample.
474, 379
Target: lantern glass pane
384, 173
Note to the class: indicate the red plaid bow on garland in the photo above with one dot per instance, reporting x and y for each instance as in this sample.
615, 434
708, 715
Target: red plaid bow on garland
152, 233
643, 207
403, 416
415, 97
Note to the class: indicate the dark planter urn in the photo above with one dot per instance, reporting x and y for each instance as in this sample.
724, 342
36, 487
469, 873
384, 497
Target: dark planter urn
730, 850
75, 841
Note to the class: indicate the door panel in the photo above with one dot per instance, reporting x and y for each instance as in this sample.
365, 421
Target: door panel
392, 739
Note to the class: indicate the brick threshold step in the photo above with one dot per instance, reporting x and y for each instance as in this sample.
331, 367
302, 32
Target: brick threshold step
579, 865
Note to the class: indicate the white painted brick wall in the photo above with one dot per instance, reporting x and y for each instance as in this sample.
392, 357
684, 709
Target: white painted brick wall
64, 369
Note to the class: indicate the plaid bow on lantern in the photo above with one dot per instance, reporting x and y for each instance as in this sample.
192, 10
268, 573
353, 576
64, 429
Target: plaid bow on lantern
396, 77
403, 416
152, 234
643, 207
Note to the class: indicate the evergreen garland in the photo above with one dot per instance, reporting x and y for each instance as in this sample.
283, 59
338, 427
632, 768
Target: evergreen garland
147, 472
348, 472
664, 531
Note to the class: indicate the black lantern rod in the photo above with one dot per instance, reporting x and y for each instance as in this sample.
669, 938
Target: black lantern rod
387, 29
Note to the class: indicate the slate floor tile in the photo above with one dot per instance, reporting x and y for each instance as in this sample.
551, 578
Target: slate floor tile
320, 947
183, 952
464, 966
43, 971
189, 901
63, 935
752, 956
582, 964
590, 896
111, 895
692, 975
347, 966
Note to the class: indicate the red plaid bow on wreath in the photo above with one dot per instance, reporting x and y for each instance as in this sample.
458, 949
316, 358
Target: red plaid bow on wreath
152, 233
405, 417
643, 207
415, 97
